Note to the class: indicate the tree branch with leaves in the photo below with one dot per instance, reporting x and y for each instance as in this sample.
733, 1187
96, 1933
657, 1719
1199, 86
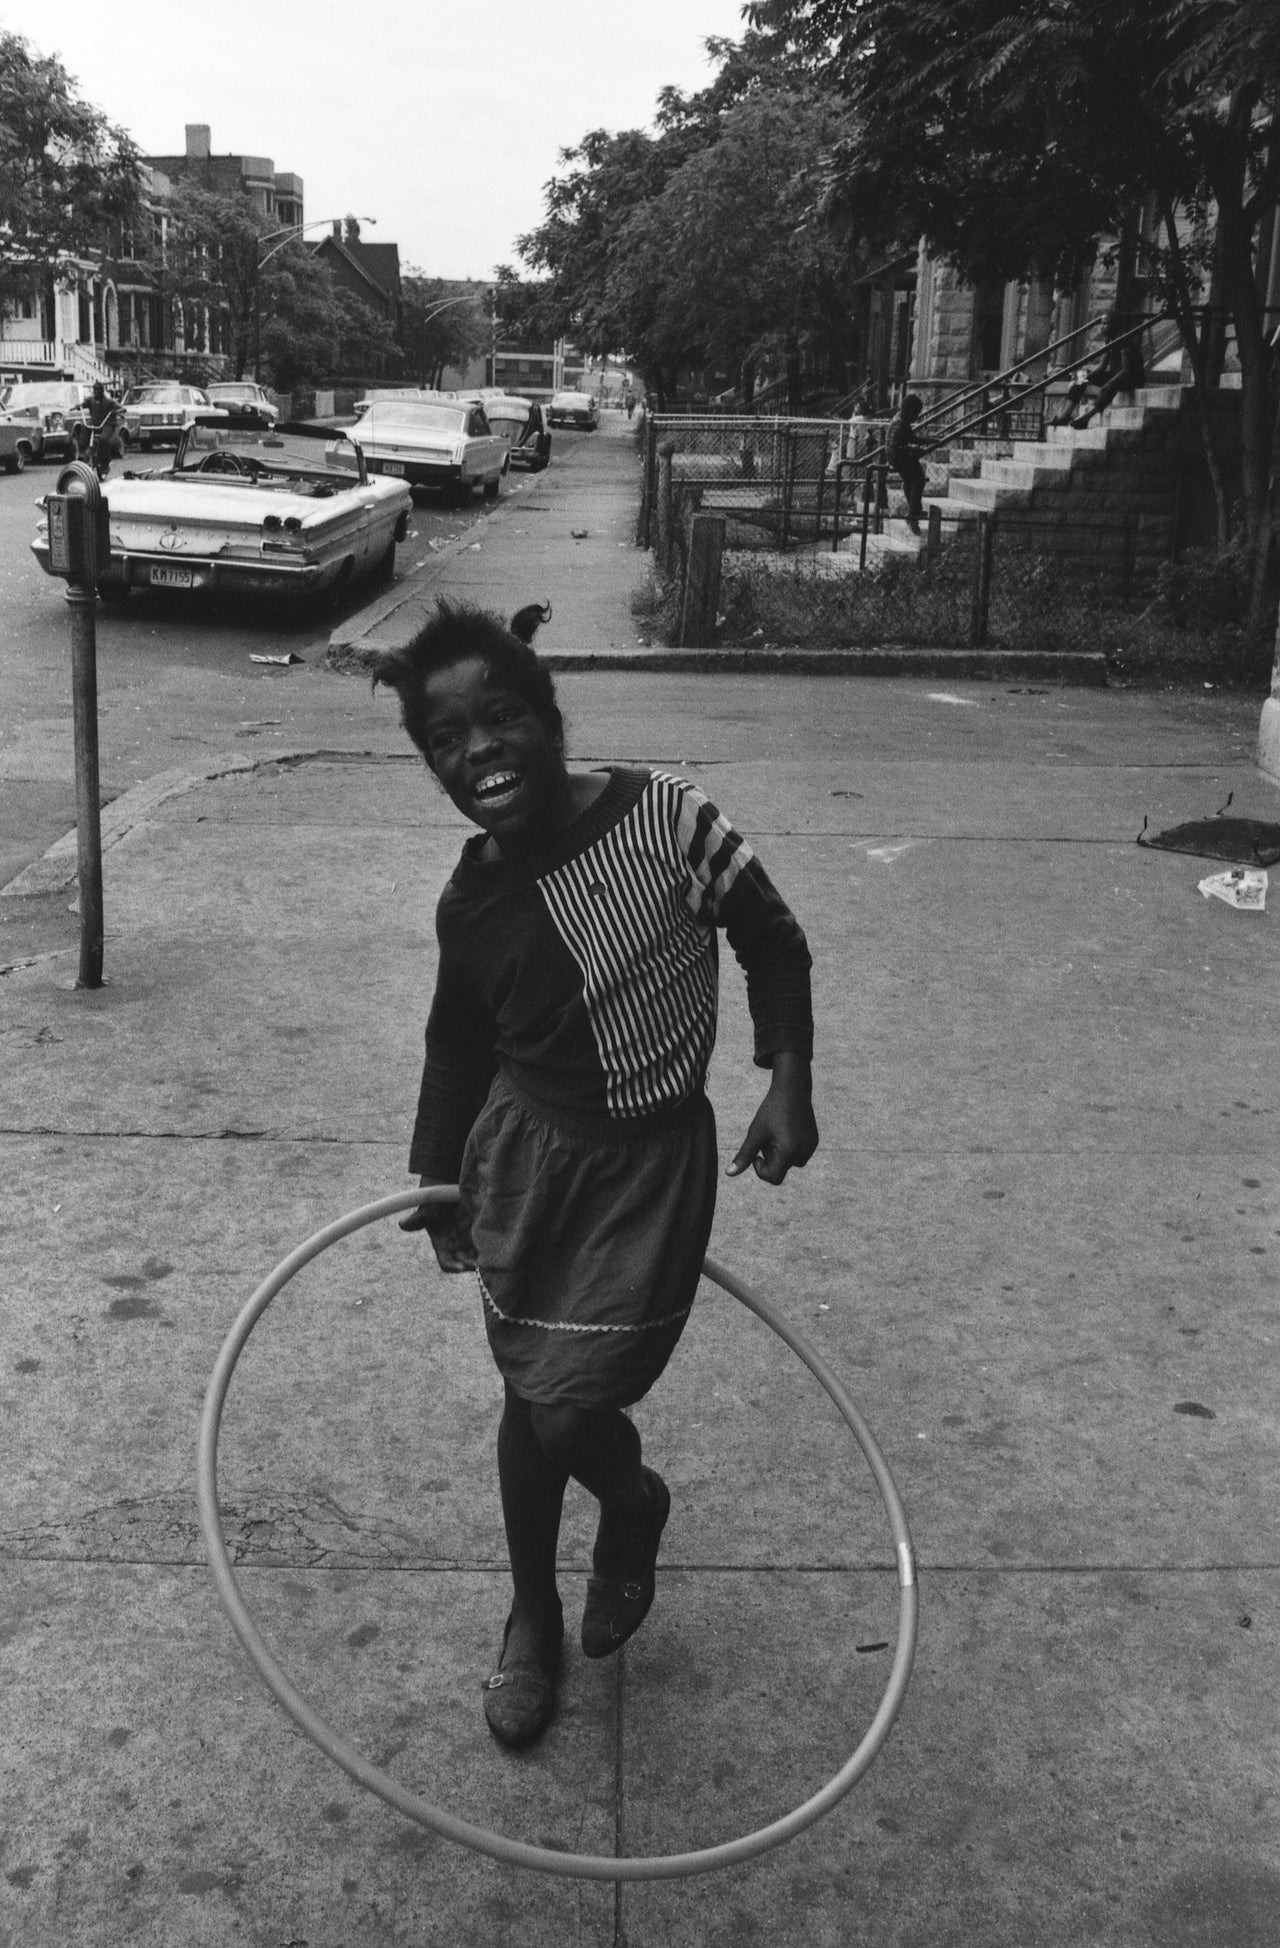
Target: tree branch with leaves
67, 175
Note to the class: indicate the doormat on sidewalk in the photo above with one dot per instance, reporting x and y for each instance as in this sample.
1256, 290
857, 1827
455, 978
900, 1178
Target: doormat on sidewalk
1245, 841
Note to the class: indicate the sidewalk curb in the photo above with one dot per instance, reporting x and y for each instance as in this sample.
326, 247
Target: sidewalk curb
980, 665
346, 650
57, 868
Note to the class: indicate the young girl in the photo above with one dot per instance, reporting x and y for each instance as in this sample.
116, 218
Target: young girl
566, 1050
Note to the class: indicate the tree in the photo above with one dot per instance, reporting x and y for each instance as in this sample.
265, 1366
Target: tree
1019, 137
444, 324
692, 244
280, 302
724, 267
524, 312
607, 179
313, 327
66, 174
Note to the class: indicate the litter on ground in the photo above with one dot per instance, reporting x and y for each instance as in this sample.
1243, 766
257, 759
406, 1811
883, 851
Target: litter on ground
1244, 887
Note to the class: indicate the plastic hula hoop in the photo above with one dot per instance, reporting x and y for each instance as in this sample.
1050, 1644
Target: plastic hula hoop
480, 1839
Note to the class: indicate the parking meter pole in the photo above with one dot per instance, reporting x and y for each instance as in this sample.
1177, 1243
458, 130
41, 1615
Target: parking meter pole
79, 549
84, 701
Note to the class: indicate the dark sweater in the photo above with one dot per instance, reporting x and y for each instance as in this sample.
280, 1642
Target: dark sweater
588, 971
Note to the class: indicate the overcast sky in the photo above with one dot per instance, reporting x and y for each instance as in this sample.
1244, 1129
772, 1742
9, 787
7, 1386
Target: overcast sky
443, 119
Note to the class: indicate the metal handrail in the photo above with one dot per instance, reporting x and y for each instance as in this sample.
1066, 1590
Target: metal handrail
879, 455
1024, 392
1002, 378
1036, 385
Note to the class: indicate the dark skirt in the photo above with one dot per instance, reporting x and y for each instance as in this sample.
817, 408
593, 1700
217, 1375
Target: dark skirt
590, 1234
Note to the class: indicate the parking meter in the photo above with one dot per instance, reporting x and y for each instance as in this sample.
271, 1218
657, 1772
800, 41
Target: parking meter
79, 549
79, 531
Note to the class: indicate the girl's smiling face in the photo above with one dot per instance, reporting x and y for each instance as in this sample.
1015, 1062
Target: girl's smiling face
501, 765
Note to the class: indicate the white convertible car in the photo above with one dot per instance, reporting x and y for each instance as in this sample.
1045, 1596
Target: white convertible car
432, 443
256, 509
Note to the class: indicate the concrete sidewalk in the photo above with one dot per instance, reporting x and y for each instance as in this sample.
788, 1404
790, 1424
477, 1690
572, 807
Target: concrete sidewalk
564, 536
1039, 1242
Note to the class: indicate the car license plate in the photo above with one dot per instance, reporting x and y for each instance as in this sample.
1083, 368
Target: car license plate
391, 466
163, 577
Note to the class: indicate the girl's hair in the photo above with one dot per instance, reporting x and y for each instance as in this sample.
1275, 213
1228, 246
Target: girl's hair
459, 632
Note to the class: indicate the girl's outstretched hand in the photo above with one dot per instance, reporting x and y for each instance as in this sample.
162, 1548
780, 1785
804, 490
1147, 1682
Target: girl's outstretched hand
449, 1236
783, 1131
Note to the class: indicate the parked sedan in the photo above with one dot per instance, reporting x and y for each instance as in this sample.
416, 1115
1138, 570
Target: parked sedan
159, 414
432, 443
256, 509
242, 396
56, 403
522, 423
575, 409
22, 439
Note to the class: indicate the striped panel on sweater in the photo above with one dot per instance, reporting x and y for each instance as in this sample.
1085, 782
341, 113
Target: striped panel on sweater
636, 911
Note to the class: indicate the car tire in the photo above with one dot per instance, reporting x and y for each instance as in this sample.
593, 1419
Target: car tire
386, 567
330, 599
14, 462
491, 488
114, 594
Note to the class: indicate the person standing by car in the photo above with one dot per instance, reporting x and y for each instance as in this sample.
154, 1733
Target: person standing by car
903, 452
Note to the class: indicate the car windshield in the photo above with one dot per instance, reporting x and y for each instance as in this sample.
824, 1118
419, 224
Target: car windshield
324, 459
415, 412
15, 397
153, 396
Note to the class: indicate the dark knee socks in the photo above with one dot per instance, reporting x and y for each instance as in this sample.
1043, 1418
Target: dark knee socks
539, 1447
601, 1448
598, 1446
532, 1488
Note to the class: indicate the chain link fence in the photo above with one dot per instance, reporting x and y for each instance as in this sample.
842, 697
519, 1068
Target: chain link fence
778, 483
993, 579
819, 495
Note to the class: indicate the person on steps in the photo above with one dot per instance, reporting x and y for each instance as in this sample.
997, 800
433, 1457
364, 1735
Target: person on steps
904, 452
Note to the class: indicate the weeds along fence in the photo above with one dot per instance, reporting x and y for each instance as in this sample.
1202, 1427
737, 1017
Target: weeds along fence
995, 579
1058, 580
774, 481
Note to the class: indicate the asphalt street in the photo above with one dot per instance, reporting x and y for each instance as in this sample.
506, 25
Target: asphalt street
175, 680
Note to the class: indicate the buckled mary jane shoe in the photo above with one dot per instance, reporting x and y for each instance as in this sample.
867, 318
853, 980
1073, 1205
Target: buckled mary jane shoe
617, 1606
520, 1695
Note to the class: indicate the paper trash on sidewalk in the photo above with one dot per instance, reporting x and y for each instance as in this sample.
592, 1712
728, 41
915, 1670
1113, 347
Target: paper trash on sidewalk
1245, 887
254, 657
